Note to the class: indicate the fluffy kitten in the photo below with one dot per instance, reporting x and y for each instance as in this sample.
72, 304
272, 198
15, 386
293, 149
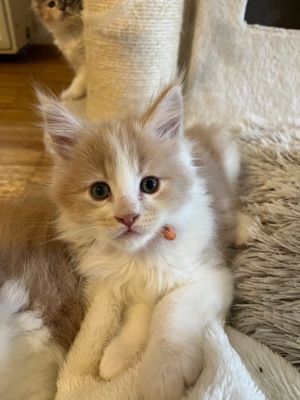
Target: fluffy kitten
40, 302
63, 20
118, 185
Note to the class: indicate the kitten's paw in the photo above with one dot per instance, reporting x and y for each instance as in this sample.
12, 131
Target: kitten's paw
73, 93
29, 321
118, 357
243, 228
165, 374
13, 297
29, 328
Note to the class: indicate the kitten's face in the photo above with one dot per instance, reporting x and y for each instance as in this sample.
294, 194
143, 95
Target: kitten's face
53, 12
119, 183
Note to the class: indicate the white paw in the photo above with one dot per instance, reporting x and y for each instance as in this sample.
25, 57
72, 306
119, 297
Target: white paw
73, 93
166, 371
29, 321
28, 333
13, 297
118, 357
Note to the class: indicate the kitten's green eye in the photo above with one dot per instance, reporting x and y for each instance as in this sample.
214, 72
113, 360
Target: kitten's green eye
51, 4
100, 191
149, 184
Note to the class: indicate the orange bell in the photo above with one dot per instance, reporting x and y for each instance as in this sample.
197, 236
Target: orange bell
168, 232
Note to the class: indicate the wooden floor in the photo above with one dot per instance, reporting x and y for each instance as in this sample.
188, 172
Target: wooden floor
23, 162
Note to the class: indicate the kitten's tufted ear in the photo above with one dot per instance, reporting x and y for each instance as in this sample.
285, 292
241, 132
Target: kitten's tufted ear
166, 116
60, 126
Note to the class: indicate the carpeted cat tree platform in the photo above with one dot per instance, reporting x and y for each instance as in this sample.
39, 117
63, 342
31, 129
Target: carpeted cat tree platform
248, 78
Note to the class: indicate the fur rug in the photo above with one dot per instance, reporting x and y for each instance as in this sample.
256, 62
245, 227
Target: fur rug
267, 304
238, 368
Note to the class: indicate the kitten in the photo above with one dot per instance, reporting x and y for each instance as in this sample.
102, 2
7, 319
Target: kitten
40, 303
120, 186
63, 19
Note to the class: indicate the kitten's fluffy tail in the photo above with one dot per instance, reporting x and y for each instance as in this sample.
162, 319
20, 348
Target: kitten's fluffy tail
229, 154
29, 360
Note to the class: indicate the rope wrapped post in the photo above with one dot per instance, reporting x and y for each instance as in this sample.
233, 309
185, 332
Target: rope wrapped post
131, 49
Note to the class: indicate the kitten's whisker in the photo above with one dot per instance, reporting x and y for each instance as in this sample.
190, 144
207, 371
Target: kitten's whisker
31, 225
75, 233
84, 248
58, 237
98, 246
93, 250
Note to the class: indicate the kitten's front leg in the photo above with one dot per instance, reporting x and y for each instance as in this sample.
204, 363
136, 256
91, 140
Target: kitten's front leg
126, 349
173, 358
100, 322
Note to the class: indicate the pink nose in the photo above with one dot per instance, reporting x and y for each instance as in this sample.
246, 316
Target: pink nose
127, 219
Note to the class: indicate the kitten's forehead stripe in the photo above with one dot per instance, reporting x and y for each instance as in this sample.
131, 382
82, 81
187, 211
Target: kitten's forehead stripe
115, 151
122, 154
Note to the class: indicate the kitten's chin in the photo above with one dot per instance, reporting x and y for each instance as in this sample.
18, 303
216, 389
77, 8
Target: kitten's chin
132, 242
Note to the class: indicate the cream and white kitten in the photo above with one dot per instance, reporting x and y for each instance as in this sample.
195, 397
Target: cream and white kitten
119, 188
131, 181
63, 19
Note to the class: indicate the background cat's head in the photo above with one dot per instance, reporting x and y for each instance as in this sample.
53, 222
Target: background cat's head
53, 12
120, 182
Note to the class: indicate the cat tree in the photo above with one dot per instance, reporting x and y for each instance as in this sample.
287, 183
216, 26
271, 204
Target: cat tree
131, 49
235, 69
245, 76
239, 70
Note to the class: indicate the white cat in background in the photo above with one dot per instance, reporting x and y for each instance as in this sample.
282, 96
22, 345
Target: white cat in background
63, 19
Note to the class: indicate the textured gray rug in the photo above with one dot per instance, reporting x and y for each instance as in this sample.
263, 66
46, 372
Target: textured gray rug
267, 304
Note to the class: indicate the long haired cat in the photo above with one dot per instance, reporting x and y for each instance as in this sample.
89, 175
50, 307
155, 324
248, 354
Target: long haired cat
120, 186
40, 301
148, 210
63, 19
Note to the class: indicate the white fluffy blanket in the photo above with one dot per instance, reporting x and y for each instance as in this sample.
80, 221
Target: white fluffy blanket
235, 366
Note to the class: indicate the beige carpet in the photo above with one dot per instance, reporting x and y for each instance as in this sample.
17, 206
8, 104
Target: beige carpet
267, 304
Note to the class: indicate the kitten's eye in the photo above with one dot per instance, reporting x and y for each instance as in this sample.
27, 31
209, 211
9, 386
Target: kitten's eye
100, 191
149, 184
51, 4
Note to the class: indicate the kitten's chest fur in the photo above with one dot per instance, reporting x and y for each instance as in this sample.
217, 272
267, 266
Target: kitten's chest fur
146, 277
163, 265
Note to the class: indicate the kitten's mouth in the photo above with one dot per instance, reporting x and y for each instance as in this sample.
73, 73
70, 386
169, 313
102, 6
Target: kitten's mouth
128, 234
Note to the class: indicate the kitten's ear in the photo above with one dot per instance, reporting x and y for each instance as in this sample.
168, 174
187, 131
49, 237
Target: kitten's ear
58, 123
165, 118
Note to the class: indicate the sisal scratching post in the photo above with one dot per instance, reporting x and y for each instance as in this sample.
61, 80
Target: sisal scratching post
131, 49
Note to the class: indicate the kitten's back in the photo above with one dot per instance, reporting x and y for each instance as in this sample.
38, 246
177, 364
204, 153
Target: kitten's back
30, 254
217, 156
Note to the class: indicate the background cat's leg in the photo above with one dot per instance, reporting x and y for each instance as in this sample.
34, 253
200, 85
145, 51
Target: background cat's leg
100, 323
173, 356
126, 348
77, 89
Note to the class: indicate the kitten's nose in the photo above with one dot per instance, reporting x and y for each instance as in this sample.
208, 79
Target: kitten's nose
127, 219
